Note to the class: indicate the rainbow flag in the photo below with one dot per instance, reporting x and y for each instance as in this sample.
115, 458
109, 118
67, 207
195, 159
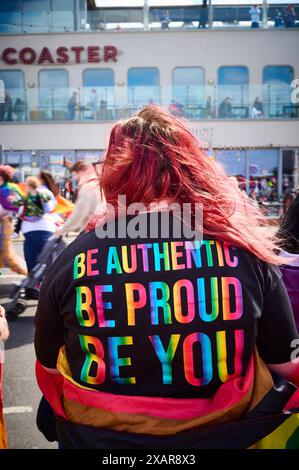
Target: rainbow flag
63, 207
245, 412
5, 190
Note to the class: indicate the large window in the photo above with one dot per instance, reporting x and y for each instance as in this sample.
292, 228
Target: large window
233, 161
255, 170
289, 170
276, 90
53, 94
31, 16
188, 89
98, 96
36, 15
62, 15
263, 173
233, 92
143, 84
14, 106
10, 16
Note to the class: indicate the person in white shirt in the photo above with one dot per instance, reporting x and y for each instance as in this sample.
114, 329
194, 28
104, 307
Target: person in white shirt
254, 13
38, 224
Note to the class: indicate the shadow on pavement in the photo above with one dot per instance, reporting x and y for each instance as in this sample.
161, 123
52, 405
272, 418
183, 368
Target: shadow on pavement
7, 286
21, 331
5, 290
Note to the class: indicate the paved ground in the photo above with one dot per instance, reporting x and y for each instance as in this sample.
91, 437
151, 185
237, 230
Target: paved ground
21, 394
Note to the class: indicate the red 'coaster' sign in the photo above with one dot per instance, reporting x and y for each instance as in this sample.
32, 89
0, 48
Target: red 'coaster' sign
62, 55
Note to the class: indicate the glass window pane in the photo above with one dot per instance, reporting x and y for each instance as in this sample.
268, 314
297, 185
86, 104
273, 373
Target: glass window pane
10, 16
188, 85
233, 92
276, 90
36, 14
263, 170
98, 78
143, 83
278, 74
53, 94
233, 161
188, 76
143, 76
233, 75
98, 94
62, 15
288, 171
15, 97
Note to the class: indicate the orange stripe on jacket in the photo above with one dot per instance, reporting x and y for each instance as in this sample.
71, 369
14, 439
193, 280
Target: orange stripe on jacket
153, 415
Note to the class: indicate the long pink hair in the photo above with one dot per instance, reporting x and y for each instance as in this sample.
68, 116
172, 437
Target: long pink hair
152, 156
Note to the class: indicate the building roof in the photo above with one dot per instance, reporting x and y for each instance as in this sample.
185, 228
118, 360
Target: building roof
180, 3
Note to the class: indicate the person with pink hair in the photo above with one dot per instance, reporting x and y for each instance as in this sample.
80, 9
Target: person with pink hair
153, 338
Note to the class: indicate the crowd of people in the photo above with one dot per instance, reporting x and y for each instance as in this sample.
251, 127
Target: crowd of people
198, 332
11, 110
227, 109
282, 18
98, 109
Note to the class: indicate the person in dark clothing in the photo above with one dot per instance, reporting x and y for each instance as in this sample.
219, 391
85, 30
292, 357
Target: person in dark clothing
203, 15
225, 109
289, 16
165, 20
71, 106
288, 234
258, 105
8, 107
147, 338
19, 109
278, 19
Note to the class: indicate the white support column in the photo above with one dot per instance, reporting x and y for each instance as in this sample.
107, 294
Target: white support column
265, 14
210, 14
145, 15
77, 16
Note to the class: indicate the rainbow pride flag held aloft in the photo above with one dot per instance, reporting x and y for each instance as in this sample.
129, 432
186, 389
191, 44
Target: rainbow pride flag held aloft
7, 189
245, 412
63, 207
